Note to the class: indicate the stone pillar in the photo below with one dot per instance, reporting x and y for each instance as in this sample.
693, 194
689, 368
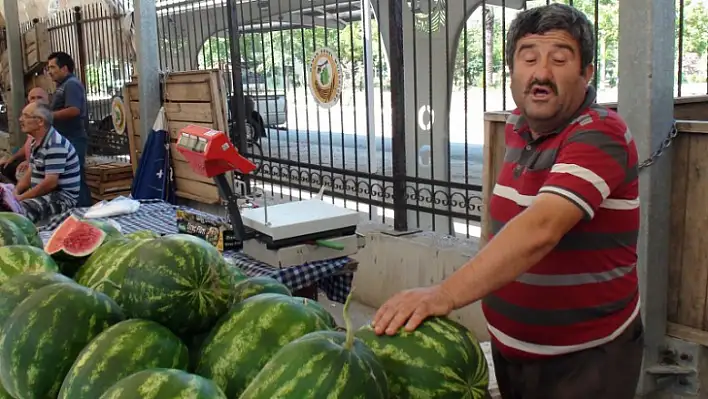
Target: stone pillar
15, 98
147, 65
646, 79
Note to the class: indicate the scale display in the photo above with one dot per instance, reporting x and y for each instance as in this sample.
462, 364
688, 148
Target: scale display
210, 152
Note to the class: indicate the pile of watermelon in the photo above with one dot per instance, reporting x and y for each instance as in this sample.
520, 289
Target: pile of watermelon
95, 314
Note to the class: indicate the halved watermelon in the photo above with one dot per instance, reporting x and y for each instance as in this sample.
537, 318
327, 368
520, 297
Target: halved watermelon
75, 238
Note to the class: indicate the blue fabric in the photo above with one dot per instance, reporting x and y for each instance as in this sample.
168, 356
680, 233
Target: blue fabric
70, 93
153, 178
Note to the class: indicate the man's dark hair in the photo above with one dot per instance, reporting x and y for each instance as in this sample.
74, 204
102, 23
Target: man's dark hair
554, 16
63, 60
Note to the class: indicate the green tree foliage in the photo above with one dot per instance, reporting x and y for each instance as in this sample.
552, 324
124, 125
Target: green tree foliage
282, 57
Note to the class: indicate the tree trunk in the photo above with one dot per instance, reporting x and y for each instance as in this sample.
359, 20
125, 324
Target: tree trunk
489, 46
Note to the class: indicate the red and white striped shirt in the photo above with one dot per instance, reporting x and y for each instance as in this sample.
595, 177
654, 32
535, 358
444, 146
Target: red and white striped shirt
585, 292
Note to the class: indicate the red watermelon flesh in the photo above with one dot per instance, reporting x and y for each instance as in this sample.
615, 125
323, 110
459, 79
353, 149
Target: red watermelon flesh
75, 238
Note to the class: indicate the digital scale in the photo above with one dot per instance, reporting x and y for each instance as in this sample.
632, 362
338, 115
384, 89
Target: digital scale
282, 235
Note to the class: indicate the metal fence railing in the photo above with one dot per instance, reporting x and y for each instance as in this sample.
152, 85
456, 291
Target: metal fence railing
405, 147
95, 37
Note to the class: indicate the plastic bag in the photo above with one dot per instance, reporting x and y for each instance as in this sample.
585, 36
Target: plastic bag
117, 206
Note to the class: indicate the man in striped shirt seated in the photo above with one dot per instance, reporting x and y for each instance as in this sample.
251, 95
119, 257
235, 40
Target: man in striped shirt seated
52, 187
558, 279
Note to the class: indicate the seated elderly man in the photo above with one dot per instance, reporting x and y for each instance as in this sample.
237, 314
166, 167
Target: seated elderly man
16, 164
52, 185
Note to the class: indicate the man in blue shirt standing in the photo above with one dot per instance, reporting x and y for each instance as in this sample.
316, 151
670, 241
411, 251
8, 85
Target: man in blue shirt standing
70, 113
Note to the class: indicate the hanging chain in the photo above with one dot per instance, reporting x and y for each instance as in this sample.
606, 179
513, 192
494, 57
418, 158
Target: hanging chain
660, 151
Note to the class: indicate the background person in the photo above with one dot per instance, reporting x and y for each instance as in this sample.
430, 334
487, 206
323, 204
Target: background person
70, 112
52, 186
10, 167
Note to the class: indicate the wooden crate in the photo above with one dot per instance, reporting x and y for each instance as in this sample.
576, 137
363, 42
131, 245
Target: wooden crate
191, 97
36, 47
109, 180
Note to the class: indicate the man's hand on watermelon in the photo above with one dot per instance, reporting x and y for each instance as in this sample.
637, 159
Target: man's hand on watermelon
411, 307
511, 252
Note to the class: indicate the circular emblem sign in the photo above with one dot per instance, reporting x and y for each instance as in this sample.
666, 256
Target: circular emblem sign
325, 78
118, 115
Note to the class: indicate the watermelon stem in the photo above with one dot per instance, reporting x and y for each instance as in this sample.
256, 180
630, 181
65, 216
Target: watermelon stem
349, 342
105, 281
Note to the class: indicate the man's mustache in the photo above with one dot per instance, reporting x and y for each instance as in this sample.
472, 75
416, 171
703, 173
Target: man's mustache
542, 83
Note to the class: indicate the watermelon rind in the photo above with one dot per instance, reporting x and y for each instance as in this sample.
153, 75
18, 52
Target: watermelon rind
179, 281
164, 384
258, 285
18, 288
11, 234
26, 226
322, 365
121, 350
107, 227
46, 332
18, 259
249, 335
440, 359
105, 269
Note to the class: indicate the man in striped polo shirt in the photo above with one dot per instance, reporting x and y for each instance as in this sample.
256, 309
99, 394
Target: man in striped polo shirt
52, 187
558, 278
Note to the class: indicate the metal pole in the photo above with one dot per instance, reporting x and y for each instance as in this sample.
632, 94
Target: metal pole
369, 76
17, 73
398, 117
148, 65
237, 104
646, 76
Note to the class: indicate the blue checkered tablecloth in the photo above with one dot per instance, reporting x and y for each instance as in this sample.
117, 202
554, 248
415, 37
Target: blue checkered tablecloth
331, 276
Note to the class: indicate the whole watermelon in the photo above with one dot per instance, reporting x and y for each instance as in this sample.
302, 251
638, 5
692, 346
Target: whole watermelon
164, 384
142, 235
26, 226
46, 332
18, 259
179, 281
18, 288
10, 234
119, 351
440, 359
258, 285
316, 307
322, 365
105, 269
249, 335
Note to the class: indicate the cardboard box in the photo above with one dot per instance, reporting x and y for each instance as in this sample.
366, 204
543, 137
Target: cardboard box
208, 227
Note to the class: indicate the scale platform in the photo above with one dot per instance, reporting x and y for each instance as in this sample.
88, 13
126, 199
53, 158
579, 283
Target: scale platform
295, 223
296, 255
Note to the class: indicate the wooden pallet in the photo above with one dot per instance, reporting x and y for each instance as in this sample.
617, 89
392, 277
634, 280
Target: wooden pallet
109, 179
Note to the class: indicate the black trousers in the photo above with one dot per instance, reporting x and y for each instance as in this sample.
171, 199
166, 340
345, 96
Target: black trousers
609, 371
8, 171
